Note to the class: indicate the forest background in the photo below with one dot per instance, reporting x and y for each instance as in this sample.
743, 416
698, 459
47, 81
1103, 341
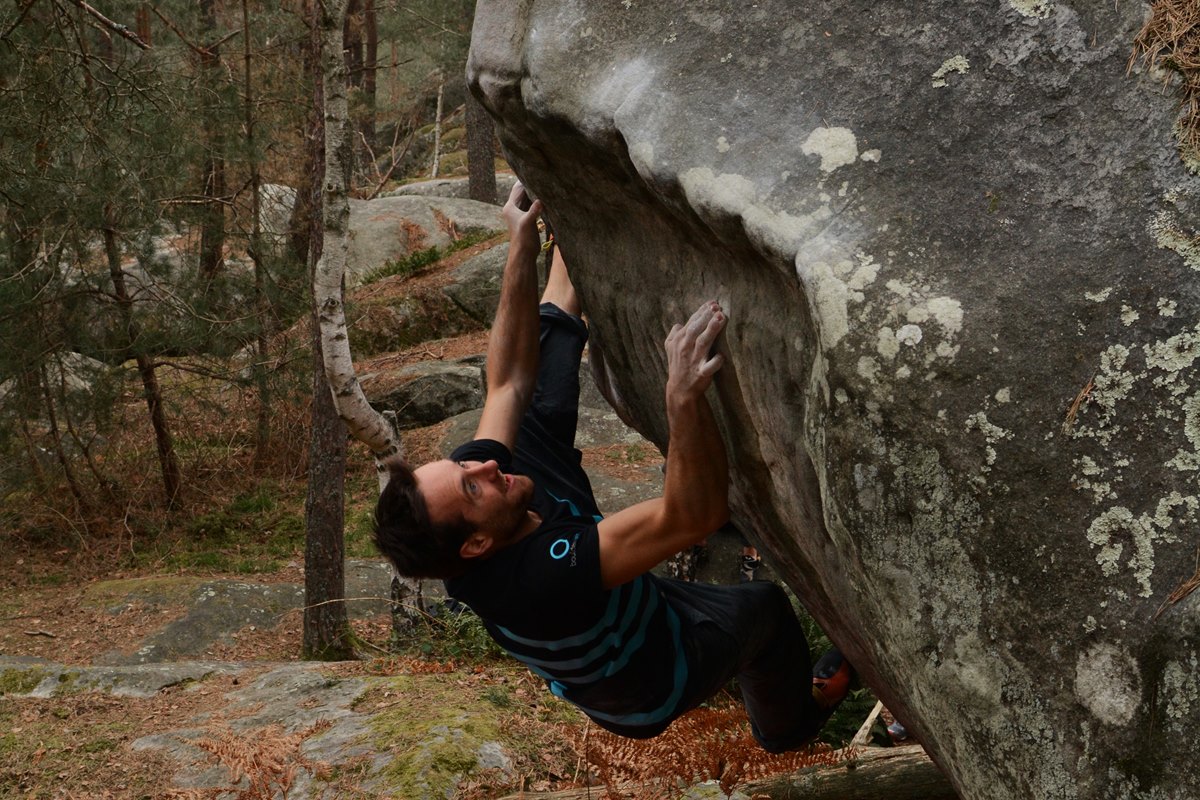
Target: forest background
156, 373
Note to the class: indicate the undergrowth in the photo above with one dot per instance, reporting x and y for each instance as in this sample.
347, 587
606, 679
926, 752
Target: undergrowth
708, 743
418, 260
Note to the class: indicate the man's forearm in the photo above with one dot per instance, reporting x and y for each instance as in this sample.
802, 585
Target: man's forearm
696, 490
512, 355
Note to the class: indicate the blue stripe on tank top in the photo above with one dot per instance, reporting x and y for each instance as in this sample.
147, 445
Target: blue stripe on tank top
574, 509
645, 717
610, 665
613, 666
610, 616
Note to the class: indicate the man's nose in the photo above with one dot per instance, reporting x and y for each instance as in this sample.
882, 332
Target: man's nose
487, 469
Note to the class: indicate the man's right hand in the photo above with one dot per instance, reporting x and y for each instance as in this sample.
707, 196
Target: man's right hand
522, 224
695, 499
690, 362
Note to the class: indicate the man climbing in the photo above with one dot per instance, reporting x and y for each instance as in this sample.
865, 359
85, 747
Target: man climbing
510, 523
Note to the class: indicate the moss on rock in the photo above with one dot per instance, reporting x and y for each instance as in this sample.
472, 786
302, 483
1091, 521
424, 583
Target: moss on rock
434, 734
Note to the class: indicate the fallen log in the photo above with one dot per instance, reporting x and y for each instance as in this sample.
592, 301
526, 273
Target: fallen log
876, 773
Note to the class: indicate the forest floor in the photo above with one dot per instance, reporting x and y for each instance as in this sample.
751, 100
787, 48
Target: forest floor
83, 718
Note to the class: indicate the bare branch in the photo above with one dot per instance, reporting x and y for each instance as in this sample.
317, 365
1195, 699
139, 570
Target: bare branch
20, 17
195, 48
432, 22
396, 159
116, 27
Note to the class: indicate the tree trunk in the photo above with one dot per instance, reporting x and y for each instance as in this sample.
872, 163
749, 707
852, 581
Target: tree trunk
352, 43
481, 152
369, 67
263, 317
326, 624
56, 436
364, 423
877, 773
163, 440
437, 127
212, 225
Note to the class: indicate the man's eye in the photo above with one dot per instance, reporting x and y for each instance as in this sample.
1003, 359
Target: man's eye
472, 487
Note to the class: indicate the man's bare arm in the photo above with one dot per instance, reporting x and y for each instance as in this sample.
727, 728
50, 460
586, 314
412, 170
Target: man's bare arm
695, 499
512, 355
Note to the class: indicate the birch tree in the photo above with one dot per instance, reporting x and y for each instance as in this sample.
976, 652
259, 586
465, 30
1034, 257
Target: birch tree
362, 421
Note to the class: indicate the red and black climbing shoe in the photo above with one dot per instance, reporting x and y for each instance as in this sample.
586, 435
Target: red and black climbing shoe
898, 733
749, 568
831, 680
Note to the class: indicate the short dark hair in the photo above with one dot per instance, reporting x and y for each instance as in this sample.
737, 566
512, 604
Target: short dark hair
416, 546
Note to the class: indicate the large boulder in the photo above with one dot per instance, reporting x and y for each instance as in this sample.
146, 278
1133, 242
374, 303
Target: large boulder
389, 228
475, 287
454, 187
958, 251
427, 392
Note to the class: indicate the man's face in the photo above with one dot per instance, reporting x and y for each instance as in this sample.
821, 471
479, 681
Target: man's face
490, 501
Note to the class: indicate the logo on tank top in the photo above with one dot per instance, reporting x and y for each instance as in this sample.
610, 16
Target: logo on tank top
561, 547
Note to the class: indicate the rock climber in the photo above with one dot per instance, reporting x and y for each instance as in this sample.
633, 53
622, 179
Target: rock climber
509, 522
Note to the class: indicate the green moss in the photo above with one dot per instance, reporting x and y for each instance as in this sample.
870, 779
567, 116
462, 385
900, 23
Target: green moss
166, 591
453, 164
98, 746
360, 531
415, 262
433, 730
20, 681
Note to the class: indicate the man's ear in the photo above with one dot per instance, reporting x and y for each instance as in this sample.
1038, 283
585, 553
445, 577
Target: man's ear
477, 545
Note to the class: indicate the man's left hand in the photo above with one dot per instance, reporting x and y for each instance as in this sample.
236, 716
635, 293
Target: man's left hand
522, 224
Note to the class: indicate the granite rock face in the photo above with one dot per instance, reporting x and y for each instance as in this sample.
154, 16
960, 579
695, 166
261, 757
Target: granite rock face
958, 251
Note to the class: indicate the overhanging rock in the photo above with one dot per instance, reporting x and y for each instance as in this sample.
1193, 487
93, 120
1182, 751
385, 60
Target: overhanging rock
959, 255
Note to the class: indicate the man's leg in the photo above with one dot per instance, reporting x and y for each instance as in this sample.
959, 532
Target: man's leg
559, 289
563, 335
545, 448
776, 680
750, 632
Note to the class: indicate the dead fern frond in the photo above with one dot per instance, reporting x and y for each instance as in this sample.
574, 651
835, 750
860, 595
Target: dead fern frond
1182, 590
1170, 40
263, 763
704, 744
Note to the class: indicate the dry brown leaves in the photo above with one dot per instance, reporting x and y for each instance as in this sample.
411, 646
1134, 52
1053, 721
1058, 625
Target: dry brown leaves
1170, 39
704, 744
263, 763
627, 462
80, 743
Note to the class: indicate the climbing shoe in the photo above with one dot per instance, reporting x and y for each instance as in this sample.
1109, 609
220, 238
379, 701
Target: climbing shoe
750, 565
831, 681
898, 733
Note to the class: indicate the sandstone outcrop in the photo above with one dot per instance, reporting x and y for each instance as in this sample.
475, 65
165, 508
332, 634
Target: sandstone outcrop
958, 250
